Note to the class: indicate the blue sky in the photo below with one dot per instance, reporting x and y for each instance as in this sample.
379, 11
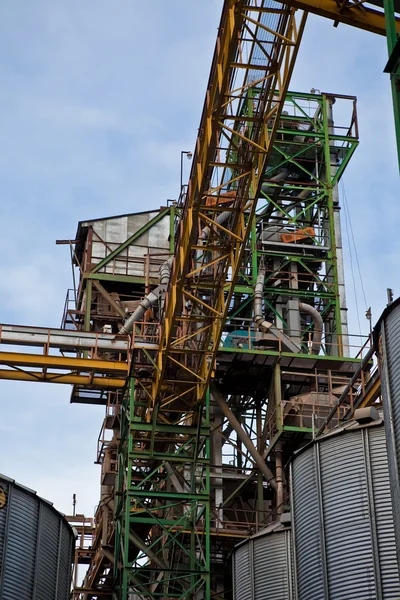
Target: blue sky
97, 100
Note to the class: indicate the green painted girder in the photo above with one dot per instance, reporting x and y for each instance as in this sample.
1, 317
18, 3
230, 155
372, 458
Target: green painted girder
160, 521
119, 278
297, 429
313, 357
309, 258
200, 497
298, 293
184, 572
393, 65
164, 428
187, 458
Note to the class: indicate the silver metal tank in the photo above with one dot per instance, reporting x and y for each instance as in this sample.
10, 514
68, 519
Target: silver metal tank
387, 347
342, 516
36, 546
263, 565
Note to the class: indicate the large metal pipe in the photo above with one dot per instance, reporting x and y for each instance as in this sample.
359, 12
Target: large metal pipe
279, 481
151, 299
261, 323
147, 302
318, 325
258, 459
259, 320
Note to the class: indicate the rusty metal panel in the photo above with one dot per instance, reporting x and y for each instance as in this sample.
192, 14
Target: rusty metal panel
36, 544
343, 517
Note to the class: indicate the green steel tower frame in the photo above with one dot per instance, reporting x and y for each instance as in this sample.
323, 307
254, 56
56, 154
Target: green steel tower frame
164, 501
299, 203
163, 504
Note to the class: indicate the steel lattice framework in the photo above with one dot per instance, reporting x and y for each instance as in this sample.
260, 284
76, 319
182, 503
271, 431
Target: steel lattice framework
167, 419
163, 504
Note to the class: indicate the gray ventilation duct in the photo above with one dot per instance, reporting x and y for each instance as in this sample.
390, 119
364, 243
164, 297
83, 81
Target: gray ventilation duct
151, 299
259, 321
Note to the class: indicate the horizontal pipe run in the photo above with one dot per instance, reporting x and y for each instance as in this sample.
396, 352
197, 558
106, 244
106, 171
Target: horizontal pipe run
60, 338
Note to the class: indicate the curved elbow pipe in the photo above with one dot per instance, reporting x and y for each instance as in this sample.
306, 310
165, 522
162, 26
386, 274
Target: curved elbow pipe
147, 302
151, 299
318, 326
259, 320
279, 177
165, 271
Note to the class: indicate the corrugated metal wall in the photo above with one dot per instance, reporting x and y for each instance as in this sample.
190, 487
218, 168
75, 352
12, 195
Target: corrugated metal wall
36, 545
263, 567
387, 344
343, 518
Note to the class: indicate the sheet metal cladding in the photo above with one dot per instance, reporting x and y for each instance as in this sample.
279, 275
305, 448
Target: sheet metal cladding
342, 516
36, 546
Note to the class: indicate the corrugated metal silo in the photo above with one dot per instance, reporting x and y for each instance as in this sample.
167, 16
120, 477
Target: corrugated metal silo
36, 546
343, 517
387, 346
263, 565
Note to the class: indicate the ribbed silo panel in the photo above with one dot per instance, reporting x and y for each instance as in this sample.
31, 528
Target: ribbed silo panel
348, 546
308, 551
20, 551
390, 375
271, 573
64, 568
3, 522
243, 573
46, 574
36, 563
389, 570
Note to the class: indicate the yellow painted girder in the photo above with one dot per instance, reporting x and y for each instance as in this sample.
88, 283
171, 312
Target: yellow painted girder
216, 131
95, 365
65, 378
359, 16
